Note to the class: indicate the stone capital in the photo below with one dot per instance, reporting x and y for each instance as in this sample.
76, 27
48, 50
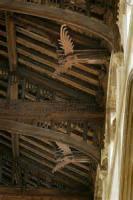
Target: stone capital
117, 59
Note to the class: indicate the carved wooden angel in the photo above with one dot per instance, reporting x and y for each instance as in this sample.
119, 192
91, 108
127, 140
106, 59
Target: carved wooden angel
68, 56
67, 157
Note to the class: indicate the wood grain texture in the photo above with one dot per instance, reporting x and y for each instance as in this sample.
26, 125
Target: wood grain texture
11, 193
73, 19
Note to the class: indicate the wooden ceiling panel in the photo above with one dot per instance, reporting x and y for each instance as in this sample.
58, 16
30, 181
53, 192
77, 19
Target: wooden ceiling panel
56, 149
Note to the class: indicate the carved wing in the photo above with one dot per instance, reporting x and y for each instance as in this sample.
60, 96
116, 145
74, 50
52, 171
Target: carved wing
65, 41
68, 157
62, 161
61, 165
68, 160
64, 148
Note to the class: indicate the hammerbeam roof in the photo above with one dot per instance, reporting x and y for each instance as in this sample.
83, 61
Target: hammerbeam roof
83, 23
52, 124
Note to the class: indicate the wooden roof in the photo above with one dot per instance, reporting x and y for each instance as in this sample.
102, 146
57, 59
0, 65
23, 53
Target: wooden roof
52, 129
11, 193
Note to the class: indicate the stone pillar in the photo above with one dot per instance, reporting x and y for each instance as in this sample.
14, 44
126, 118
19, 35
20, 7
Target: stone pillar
105, 170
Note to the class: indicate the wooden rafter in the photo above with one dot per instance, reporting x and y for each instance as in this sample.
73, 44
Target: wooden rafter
28, 27
42, 164
42, 147
43, 80
12, 55
46, 161
77, 20
34, 54
29, 130
13, 83
29, 156
42, 174
94, 56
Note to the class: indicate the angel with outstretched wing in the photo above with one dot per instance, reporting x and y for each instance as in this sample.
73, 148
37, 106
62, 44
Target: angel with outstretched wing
67, 157
68, 58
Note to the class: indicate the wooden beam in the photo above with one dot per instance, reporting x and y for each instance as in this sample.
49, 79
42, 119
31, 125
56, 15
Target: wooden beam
40, 167
42, 193
36, 155
55, 85
93, 58
44, 81
42, 33
12, 56
49, 111
35, 167
62, 176
11, 41
50, 150
13, 82
50, 165
41, 174
80, 22
36, 47
69, 82
49, 156
29, 130
15, 146
55, 117
1, 164
3, 53
40, 38
33, 33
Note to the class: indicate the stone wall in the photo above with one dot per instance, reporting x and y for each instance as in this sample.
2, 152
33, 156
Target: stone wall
121, 64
